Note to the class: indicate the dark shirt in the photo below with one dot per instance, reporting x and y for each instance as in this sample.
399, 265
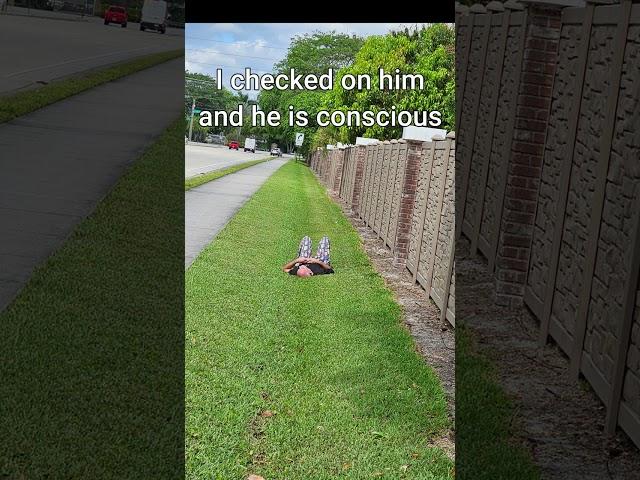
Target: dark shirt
314, 267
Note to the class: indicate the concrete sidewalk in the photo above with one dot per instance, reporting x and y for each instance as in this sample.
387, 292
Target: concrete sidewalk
209, 207
58, 162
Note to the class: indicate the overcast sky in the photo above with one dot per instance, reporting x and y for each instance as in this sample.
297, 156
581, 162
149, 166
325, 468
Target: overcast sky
235, 46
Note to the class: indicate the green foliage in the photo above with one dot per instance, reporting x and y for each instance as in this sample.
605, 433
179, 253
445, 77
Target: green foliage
325, 136
314, 53
91, 352
320, 51
24, 102
204, 90
198, 133
428, 51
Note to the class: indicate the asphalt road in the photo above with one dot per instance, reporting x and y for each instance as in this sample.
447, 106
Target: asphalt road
37, 50
201, 158
58, 162
209, 207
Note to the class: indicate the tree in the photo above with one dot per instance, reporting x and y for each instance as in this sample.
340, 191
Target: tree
428, 51
320, 51
314, 53
203, 89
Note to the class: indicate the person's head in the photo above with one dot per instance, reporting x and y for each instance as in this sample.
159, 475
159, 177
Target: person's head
304, 271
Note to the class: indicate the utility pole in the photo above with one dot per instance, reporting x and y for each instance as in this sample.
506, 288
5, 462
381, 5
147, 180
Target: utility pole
193, 107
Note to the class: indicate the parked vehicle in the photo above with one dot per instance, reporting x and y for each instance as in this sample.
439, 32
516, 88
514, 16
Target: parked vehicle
217, 139
234, 145
115, 14
154, 16
250, 145
55, 5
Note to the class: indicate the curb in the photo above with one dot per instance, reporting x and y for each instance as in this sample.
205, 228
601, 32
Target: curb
46, 17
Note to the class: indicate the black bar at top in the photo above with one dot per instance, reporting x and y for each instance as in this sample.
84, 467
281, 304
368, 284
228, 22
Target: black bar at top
199, 11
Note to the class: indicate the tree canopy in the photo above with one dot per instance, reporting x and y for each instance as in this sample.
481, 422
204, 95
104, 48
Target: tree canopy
314, 53
428, 51
203, 89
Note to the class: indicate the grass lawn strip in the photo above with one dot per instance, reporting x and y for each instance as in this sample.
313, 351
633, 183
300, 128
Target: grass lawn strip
485, 449
198, 180
16, 105
295, 378
91, 350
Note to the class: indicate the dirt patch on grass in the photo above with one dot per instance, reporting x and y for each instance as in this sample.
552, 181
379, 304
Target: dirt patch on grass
559, 420
256, 436
435, 340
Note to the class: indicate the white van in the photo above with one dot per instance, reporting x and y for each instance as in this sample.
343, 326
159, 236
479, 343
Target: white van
250, 145
154, 16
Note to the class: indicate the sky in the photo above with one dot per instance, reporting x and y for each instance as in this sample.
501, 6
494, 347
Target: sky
235, 46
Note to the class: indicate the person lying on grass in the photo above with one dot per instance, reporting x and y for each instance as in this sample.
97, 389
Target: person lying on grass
306, 265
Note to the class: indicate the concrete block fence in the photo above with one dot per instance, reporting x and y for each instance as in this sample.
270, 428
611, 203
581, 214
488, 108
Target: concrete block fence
405, 192
548, 112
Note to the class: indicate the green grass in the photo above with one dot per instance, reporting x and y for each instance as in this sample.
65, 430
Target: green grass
19, 104
196, 181
485, 448
91, 350
327, 356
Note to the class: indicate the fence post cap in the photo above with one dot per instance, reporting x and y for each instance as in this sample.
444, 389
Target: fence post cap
437, 138
387, 142
477, 8
513, 5
495, 6
568, 3
460, 8
451, 135
394, 141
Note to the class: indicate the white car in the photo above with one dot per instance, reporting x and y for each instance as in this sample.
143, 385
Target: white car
276, 152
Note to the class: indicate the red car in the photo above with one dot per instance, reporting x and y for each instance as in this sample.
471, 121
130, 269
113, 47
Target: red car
115, 14
233, 145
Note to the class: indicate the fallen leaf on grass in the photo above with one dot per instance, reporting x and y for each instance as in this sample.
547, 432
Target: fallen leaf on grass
266, 414
255, 477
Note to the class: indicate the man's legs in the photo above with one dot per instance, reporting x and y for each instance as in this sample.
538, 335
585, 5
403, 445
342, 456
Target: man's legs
305, 247
323, 250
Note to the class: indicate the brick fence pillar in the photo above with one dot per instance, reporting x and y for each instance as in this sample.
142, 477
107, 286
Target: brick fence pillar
527, 149
326, 162
337, 175
361, 152
329, 167
408, 199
